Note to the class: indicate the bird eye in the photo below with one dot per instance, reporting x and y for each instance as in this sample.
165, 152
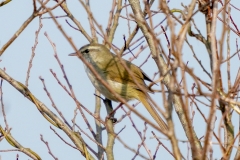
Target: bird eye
86, 51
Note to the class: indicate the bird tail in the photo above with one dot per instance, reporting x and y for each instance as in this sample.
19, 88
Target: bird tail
144, 99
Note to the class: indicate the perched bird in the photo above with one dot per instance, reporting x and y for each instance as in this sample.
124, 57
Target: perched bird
109, 67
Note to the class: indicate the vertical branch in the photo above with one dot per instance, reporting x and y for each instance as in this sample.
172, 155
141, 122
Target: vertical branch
93, 30
215, 71
33, 50
208, 43
181, 38
153, 43
110, 131
139, 17
237, 156
110, 19
170, 81
229, 130
2, 105
99, 129
115, 21
128, 20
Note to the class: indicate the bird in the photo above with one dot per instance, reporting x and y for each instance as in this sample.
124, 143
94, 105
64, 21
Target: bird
109, 67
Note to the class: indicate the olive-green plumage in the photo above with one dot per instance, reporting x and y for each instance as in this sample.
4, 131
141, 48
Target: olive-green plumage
111, 69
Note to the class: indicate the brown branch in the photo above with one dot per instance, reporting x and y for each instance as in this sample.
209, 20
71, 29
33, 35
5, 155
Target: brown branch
48, 147
4, 2
48, 114
33, 51
17, 145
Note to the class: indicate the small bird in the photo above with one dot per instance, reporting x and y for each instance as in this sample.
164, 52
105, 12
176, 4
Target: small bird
109, 67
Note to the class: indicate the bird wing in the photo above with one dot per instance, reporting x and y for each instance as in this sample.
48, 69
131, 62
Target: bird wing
117, 72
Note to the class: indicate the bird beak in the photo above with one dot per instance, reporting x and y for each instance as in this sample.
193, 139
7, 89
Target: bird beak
72, 54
